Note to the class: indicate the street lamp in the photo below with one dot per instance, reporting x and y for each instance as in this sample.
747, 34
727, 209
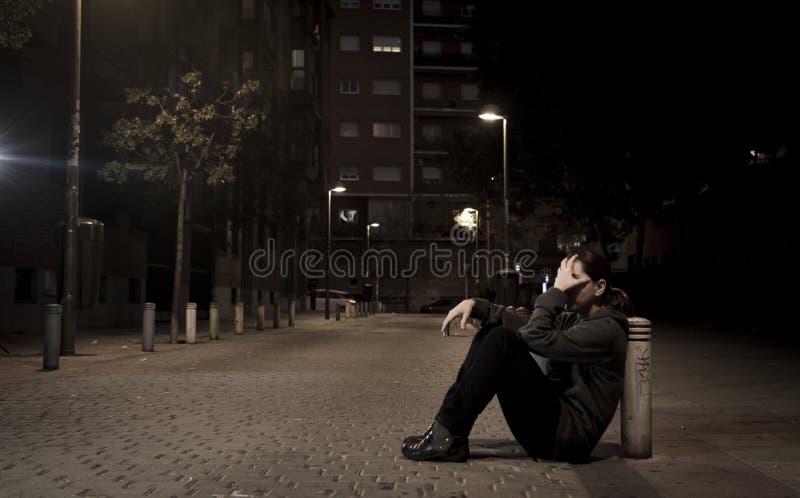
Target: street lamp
336, 189
375, 297
70, 277
492, 113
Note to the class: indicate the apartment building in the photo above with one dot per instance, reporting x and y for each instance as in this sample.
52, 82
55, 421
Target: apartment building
403, 82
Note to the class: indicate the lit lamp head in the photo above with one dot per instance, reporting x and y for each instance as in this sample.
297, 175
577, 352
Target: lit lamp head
374, 225
467, 218
491, 113
338, 189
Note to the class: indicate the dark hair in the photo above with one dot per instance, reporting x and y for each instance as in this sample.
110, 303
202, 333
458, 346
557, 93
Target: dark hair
598, 267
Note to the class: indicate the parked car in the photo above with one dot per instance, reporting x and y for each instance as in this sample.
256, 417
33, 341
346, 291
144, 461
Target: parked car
336, 297
442, 306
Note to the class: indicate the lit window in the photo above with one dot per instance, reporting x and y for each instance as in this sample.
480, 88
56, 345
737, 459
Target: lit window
348, 87
386, 87
297, 80
431, 8
348, 173
431, 174
350, 4
431, 90
298, 58
469, 91
348, 43
386, 4
386, 130
432, 132
432, 47
348, 129
386, 174
386, 44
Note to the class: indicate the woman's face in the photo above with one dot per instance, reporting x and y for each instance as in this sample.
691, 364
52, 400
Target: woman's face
581, 298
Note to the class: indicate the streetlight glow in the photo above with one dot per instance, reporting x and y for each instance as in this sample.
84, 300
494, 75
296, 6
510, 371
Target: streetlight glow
491, 113
490, 116
338, 189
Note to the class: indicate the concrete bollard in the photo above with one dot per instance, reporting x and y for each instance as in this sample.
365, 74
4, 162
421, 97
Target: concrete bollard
292, 304
191, 323
238, 323
636, 403
261, 311
276, 315
338, 312
213, 321
149, 328
52, 337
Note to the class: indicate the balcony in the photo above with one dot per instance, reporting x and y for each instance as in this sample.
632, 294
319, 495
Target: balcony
451, 22
462, 62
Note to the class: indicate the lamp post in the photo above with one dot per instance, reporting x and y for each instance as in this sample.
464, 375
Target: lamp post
336, 189
375, 296
70, 277
492, 113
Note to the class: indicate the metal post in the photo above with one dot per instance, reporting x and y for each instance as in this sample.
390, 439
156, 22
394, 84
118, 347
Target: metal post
338, 312
276, 314
292, 305
149, 328
52, 337
636, 403
191, 323
261, 311
505, 188
238, 324
328, 264
70, 276
213, 321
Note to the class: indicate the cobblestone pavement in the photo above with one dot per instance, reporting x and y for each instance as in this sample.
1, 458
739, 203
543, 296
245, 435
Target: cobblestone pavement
320, 410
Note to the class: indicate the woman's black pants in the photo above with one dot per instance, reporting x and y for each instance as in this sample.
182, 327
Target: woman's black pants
499, 363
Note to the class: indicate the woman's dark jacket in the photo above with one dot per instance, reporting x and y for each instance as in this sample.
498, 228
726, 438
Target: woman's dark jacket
586, 356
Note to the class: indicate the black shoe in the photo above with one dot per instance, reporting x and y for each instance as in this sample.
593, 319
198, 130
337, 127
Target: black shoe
438, 444
413, 439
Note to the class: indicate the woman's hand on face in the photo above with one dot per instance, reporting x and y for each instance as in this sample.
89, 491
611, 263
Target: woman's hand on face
566, 278
463, 310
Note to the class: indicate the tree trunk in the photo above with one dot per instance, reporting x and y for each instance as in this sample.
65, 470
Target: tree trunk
176, 281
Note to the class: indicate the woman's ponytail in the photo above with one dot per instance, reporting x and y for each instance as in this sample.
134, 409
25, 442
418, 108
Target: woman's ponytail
619, 300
